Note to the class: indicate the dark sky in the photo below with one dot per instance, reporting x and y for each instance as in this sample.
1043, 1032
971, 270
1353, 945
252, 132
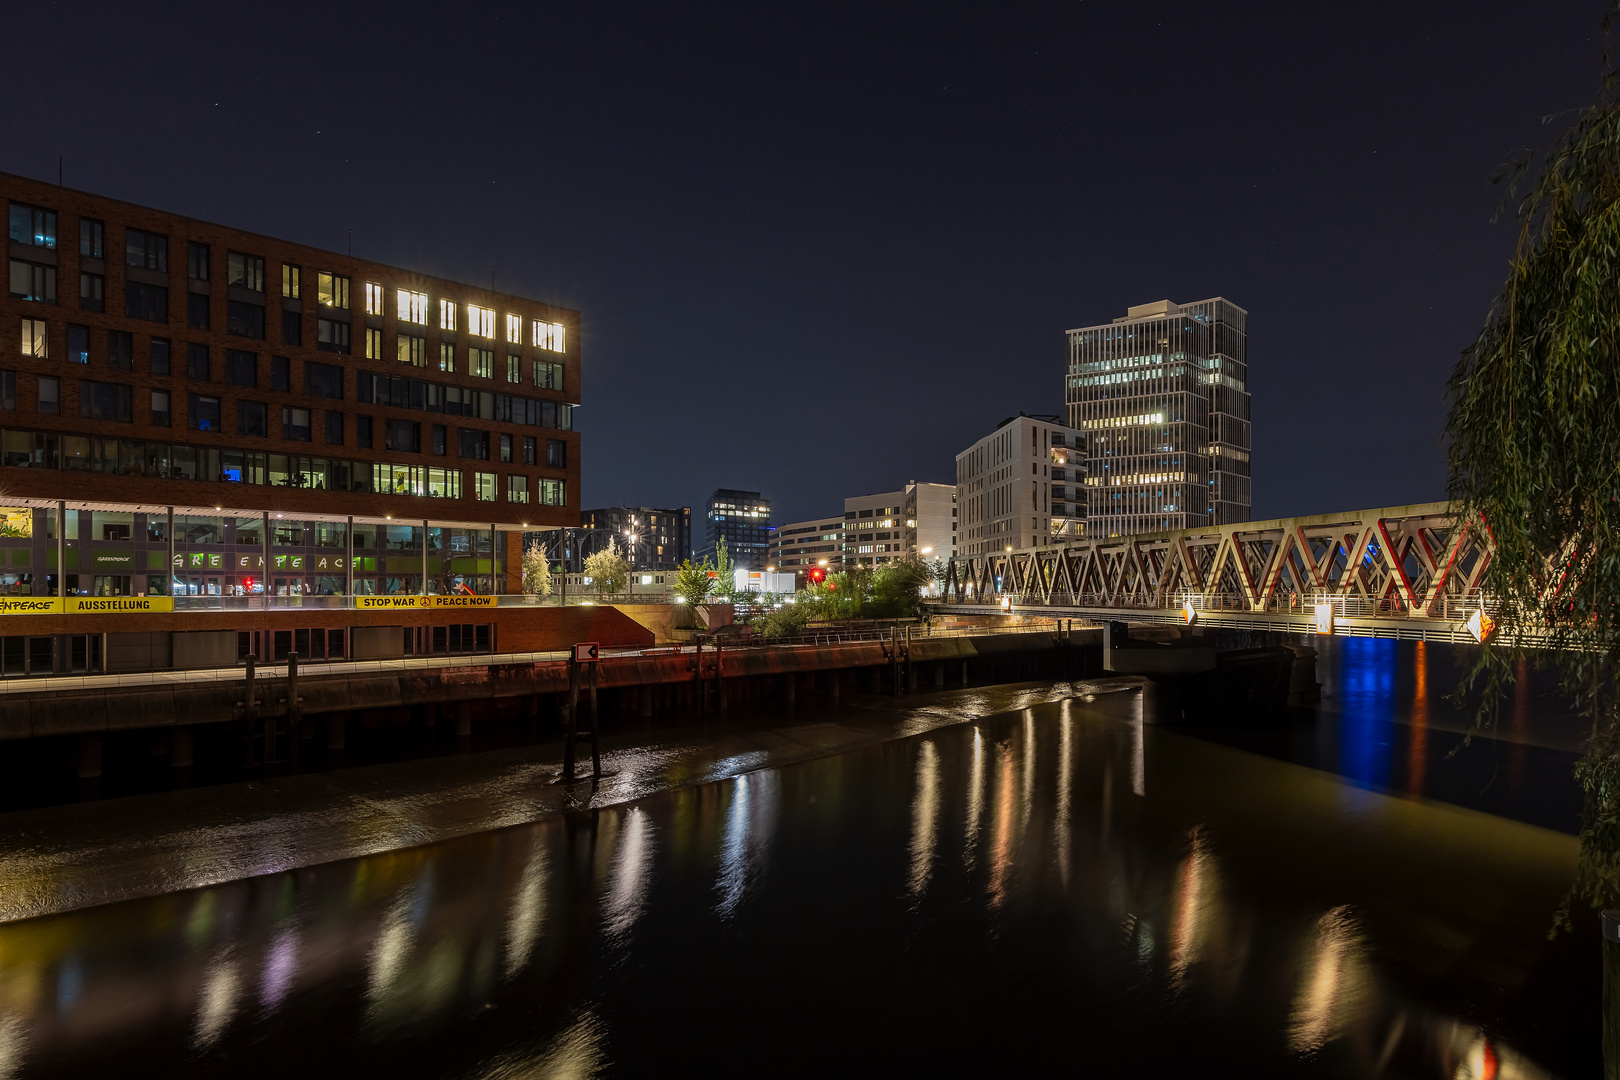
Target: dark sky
821, 248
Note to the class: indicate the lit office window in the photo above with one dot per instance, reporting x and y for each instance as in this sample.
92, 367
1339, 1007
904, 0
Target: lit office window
447, 314
374, 298
483, 486
480, 321
517, 489
332, 290
447, 354
412, 306
514, 369
35, 341
552, 336
481, 362
291, 281
514, 329
413, 350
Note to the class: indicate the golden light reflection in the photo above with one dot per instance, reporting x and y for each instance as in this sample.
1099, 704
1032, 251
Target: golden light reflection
1333, 982
1001, 839
1417, 760
216, 1003
924, 819
578, 1053
528, 911
1027, 802
975, 800
1065, 781
393, 945
13, 1044
632, 866
1194, 896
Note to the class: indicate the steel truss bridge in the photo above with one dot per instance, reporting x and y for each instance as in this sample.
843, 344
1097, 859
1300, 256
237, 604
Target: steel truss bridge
1401, 572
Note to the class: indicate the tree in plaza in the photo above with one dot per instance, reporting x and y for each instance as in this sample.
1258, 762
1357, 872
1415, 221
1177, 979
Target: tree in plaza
692, 581
725, 582
896, 589
1533, 447
608, 569
536, 572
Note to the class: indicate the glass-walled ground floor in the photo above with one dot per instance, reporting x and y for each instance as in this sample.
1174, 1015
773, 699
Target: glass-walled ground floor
112, 551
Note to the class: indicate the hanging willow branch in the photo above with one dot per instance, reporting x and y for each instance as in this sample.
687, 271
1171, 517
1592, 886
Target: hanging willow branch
1534, 447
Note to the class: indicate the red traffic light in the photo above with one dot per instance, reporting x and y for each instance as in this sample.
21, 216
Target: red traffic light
815, 573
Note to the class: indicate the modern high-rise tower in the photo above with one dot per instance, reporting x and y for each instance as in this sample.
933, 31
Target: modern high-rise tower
1162, 397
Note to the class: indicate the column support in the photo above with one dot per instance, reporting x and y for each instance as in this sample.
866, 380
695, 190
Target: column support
61, 550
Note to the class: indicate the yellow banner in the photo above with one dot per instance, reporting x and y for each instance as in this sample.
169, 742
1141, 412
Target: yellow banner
84, 605
462, 601
395, 602
30, 605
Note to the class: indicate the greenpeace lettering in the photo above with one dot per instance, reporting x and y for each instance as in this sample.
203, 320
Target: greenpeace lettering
23, 605
77, 605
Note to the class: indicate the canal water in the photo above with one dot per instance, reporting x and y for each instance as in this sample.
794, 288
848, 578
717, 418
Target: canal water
1063, 887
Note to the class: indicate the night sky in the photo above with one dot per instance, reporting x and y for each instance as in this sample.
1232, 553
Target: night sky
819, 249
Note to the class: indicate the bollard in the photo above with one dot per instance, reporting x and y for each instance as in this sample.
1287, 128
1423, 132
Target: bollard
596, 732
571, 714
294, 714
180, 752
336, 731
1611, 994
87, 756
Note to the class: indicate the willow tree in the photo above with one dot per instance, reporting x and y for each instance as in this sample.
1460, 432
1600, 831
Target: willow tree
1533, 442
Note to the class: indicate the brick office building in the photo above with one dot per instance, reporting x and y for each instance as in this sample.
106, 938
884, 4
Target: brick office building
190, 412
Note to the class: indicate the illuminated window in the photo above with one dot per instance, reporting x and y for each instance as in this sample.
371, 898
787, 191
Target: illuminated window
548, 376
481, 362
447, 354
514, 329
35, 341
514, 369
373, 344
332, 290
243, 271
413, 350
292, 279
447, 314
480, 321
483, 486
552, 336
411, 306
374, 298
553, 492
517, 489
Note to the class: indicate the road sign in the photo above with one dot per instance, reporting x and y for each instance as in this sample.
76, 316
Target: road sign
587, 652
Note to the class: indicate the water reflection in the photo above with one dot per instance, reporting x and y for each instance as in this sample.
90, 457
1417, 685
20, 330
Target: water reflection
1290, 936
750, 823
924, 819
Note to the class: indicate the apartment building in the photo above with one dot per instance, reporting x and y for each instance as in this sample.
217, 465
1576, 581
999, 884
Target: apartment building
1021, 486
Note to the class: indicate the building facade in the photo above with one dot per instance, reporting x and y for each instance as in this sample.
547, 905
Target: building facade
801, 545
1021, 486
653, 538
743, 519
917, 521
1162, 396
192, 410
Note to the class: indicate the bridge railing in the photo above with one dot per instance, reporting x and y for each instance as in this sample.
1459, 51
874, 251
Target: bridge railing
1453, 608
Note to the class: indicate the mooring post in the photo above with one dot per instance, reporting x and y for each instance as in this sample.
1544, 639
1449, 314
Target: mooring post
295, 715
596, 732
250, 705
573, 712
1611, 994
719, 687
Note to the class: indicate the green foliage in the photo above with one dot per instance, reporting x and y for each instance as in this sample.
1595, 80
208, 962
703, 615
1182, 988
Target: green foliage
1534, 449
536, 572
896, 590
608, 569
725, 581
789, 620
692, 582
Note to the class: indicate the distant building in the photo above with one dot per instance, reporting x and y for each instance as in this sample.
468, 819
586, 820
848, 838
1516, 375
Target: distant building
743, 518
658, 538
1021, 486
1162, 395
803, 544
892, 525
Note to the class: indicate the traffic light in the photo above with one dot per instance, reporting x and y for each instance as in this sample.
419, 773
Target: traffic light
816, 574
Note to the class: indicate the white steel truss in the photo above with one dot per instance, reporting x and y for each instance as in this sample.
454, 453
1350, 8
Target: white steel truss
1415, 560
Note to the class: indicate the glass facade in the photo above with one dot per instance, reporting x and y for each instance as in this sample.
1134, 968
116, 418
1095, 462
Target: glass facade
120, 553
1161, 398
